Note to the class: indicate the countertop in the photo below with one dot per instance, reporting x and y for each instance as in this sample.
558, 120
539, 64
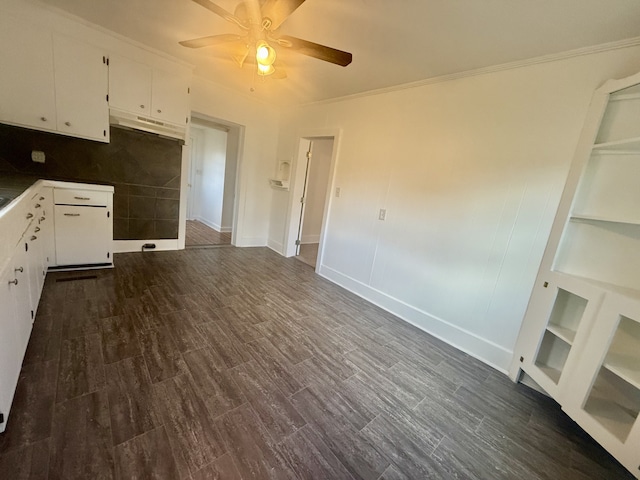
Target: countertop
13, 185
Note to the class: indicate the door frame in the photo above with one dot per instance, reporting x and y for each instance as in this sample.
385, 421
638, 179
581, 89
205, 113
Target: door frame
297, 184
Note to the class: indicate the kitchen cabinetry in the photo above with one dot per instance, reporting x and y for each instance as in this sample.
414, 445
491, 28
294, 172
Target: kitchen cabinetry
580, 340
81, 81
52, 83
83, 227
139, 89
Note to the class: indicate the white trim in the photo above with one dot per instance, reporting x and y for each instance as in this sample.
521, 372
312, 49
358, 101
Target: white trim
215, 226
275, 246
484, 350
554, 57
252, 242
124, 246
307, 239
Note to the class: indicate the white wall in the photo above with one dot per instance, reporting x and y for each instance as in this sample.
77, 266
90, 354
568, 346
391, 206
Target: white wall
209, 175
316, 189
256, 156
470, 172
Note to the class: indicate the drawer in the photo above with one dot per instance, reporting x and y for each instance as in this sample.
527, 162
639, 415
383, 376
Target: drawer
63, 196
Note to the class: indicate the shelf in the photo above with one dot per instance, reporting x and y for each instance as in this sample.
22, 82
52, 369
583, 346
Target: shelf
279, 184
597, 218
609, 287
614, 418
629, 144
565, 334
624, 366
551, 372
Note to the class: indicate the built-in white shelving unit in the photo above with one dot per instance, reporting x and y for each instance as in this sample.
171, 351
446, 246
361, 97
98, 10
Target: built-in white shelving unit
580, 340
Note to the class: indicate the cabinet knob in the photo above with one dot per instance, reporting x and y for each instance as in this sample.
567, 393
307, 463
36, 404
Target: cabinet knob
13, 282
68, 124
19, 269
141, 106
29, 215
41, 198
42, 219
44, 119
159, 111
33, 237
38, 205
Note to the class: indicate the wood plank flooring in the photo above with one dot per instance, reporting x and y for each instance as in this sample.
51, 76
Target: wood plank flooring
198, 234
240, 364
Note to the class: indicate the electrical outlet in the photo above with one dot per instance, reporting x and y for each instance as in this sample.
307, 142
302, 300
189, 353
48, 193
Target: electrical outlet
37, 156
337, 191
383, 214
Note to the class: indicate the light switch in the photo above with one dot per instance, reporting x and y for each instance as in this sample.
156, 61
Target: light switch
383, 214
337, 191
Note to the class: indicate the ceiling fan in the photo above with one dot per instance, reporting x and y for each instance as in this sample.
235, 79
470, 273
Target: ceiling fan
260, 21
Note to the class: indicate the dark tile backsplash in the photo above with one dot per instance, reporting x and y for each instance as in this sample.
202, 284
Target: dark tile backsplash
143, 168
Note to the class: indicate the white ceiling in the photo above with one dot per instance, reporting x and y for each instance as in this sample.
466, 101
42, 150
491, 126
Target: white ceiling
392, 41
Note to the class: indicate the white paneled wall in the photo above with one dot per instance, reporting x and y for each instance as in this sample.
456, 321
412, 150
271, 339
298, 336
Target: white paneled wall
470, 172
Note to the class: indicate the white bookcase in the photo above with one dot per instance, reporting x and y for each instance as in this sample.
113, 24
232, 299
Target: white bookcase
580, 339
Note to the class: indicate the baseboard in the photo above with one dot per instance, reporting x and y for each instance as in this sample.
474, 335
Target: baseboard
310, 239
251, 242
215, 226
124, 246
277, 247
226, 229
484, 350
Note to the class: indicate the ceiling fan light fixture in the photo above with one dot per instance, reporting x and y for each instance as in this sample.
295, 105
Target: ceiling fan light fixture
265, 70
265, 54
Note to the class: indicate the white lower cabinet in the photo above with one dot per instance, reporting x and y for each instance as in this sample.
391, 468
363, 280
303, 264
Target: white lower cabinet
10, 354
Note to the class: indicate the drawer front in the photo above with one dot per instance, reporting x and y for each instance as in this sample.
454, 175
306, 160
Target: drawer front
63, 196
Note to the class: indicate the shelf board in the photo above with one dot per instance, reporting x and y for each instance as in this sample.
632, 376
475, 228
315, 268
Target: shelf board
610, 287
628, 144
611, 416
551, 372
625, 367
598, 218
565, 334
624, 96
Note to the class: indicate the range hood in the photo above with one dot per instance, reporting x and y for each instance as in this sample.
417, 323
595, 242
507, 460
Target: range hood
118, 118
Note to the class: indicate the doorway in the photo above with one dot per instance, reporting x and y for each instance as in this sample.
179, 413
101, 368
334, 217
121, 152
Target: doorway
314, 171
212, 183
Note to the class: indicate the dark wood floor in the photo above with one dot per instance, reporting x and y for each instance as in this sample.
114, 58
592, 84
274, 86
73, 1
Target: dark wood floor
198, 234
238, 363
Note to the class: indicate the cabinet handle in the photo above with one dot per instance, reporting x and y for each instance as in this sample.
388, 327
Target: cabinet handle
159, 111
19, 269
14, 281
33, 237
37, 229
41, 198
68, 124
38, 205
82, 198
42, 219
71, 214
141, 106
44, 119
29, 215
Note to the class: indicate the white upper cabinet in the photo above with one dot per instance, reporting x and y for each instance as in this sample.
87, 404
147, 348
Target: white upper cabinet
27, 94
170, 97
129, 85
137, 88
81, 89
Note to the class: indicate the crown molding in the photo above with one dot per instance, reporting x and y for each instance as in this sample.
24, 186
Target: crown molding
579, 52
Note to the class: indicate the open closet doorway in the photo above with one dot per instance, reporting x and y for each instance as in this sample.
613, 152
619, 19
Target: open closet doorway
314, 169
212, 183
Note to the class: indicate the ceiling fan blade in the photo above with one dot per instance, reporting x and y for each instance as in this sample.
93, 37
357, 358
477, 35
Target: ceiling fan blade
210, 40
315, 50
218, 10
278, 10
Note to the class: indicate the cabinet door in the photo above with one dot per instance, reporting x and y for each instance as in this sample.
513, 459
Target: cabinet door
26, 76
170, 97
129, 85
84, 235
23, 312
81, 78
10, 356
606, 384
